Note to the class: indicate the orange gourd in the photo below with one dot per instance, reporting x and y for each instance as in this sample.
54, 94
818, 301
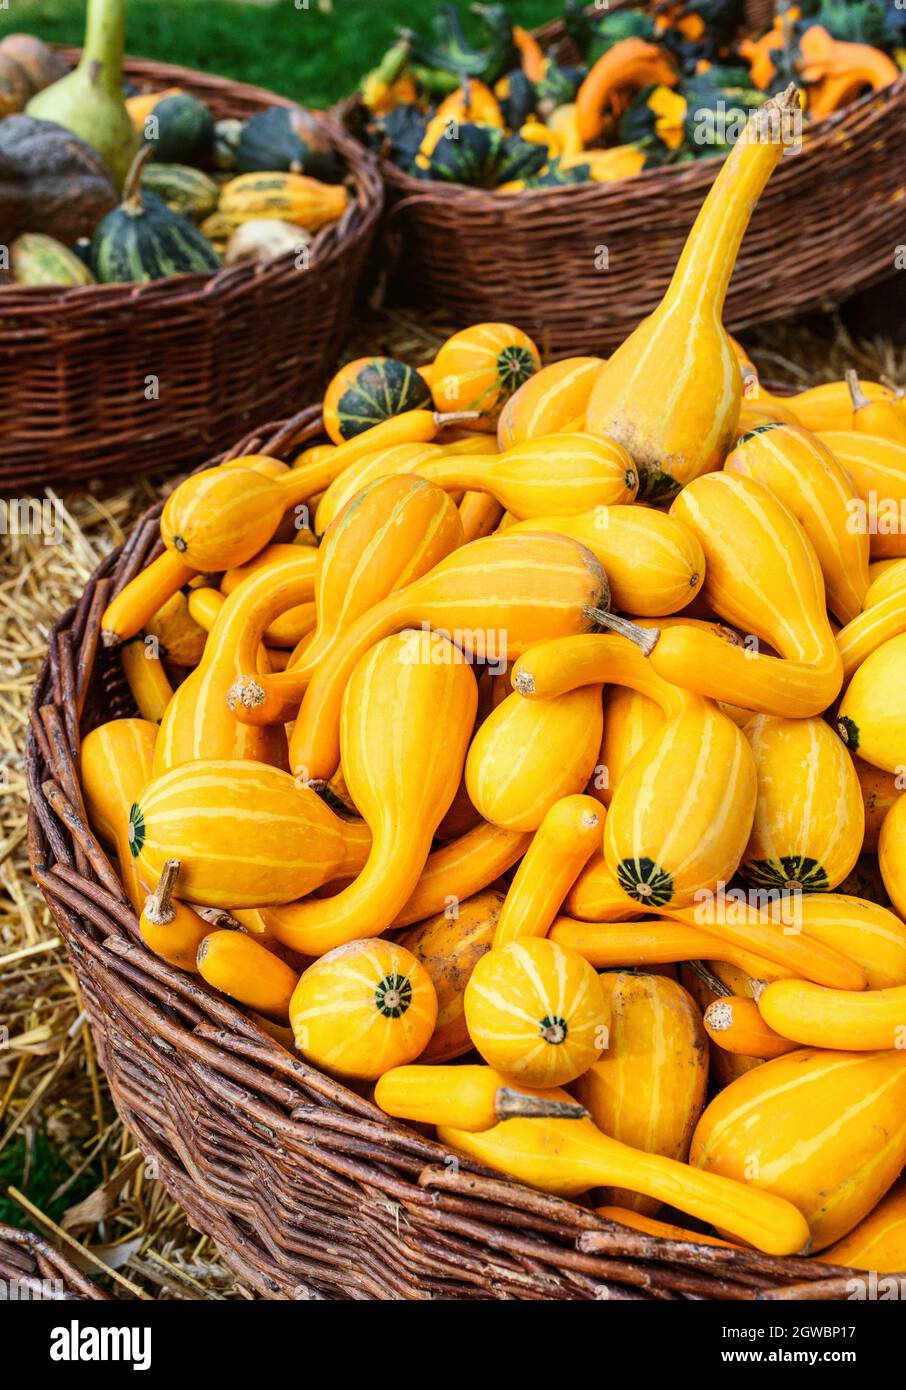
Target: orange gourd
737, 1026
674, 434
892, 854
626, 67
829, 406
630, 719
878, 469
363, 1008
803, 474
871, 718
825, 1130
116, 761
517, 589
392, 532
246, 834
879, 416
465, 866
146, 678
870, 630
241, 967
171, 929
662, 1229
408, 713
613, 945
648, 1089
138, 601
879, 1240
569, 832
537, 1012
479, 368
473, 1098
596, 896
835, 1018
449, 946
179, 637
548, 402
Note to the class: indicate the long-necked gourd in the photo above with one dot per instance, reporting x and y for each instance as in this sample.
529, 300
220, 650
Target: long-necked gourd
809, 815
137, 602
464, 866
568, 1157
473, 1098
549, 402
671, 392
848, 1020
494, 596
569, 832
611, 945
408, 714
241, 967
537, 1012
648, 1089
116, 763
363, 1008
802, 472
391, 533
826, 1130
246, 833
877, 416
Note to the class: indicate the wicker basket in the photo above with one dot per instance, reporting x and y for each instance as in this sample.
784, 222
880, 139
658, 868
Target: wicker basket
227, 349
40, 1272
829, 223
307, 1189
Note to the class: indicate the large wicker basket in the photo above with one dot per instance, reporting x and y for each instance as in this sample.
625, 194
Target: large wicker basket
830, 222
38, 1272
307, 1189
226, 349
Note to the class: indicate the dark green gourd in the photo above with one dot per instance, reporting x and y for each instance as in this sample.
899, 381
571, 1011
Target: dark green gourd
287, 140
143, 239
183, 131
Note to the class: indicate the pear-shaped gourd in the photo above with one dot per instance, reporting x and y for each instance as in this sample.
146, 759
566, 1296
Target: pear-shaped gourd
89, 100
671, 392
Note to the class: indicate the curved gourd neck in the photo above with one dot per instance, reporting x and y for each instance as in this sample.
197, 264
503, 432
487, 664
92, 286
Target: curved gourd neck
704, 270
102, 55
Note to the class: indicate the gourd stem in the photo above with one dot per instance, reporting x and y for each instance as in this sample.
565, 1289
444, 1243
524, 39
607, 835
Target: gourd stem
644, 638
510, 1105
708, 978
102, 55
453, 417
132, 189
857, 395
159, 907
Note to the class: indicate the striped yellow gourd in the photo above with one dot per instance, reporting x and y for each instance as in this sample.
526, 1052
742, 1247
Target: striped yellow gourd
878, 469
371, 468
596, 896
630, 719
887, 577
648, 1088
363, 1008
829, 406
809, 816
569, 832
879, 1240
762, 576
871, 719
654, 564
681, 813
529, 753
549, 401
868, 933
116, 763
802, 472
198, 722
245, 833
870, 630
408, 714
671, 392
495, 596
850, 1021
826, 1130
449, 946
537, 1012
462, 867
615, 945
892, 854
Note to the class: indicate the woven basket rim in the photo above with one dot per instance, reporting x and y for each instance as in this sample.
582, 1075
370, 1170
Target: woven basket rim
512, 1208
365, 207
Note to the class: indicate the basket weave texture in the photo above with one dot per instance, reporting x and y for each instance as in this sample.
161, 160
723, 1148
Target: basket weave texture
41, 1273
308, 1190
579, 267
247, 343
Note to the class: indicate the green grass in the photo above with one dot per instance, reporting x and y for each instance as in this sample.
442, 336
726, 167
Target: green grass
314, 55
48, 1170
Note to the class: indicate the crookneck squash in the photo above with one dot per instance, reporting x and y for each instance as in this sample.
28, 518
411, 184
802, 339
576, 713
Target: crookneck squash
568, 834
473, 1098
550, 401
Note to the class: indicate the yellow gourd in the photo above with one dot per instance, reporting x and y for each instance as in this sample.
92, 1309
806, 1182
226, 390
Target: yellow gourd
825, 1130
809, 816
887, 577
520, 589
737, 1026
568, 1157
393, 532
372, 468
662, 1229
537, 1012
171, 929
146, 678
288, 197
879, 792
655, 564
829, 406
870, 630
892, 854
569, 832
875, 416
596, 896
648, 1089
449, 946
138, 601
528, 754
868, 933
241, 967
116, 761
363, 1008
630, 718
879, 1240
246, 834
878, 469
472, 1098
802, 472
548, 402
180, 638
871, 719
479, 368
204, 605
611, 945
834, 1018
465, 866
401, 773
480, 515
677, 431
